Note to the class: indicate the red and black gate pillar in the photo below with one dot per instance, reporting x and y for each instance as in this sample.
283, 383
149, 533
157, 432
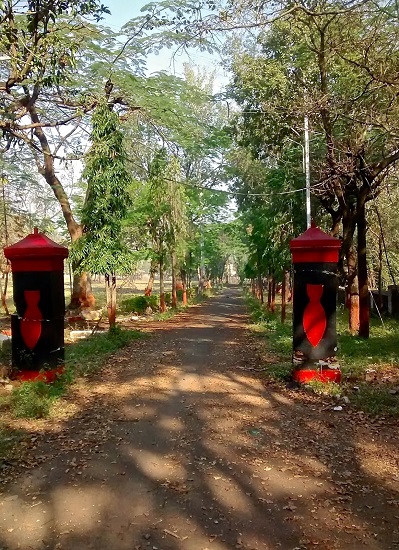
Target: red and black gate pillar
37, 326
315, 258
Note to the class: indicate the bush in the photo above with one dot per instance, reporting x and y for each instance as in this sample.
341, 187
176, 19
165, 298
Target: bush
139, 304
31, 400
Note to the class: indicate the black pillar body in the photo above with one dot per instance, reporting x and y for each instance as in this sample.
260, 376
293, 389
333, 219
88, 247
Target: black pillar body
314, 318
38, 324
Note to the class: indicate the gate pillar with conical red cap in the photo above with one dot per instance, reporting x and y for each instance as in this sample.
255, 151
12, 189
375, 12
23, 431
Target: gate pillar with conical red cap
315, 259
37, 326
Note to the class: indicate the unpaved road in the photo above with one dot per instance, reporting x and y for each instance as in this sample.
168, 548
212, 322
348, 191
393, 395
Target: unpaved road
179, 445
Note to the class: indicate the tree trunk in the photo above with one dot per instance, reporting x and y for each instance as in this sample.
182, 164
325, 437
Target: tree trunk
348, 250
162, 305
364, 303
379, 274
183, 276
82, 295
4, 296
269, 292
174, 292
260, 281
353, 292
110, 289
273, 295
150, 284
284, 296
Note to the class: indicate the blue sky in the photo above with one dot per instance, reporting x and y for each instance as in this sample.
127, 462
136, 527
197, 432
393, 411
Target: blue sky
124, 10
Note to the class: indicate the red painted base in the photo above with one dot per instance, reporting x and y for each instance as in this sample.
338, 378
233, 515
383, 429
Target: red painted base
326, 375
47, 376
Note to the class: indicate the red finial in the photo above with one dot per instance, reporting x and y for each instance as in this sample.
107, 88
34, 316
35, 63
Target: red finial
312, 224
35, 231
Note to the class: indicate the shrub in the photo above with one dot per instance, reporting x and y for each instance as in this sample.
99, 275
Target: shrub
139, 304
31, 400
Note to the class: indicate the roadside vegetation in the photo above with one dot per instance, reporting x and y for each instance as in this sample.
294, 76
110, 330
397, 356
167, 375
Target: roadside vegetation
370, 367
84, 358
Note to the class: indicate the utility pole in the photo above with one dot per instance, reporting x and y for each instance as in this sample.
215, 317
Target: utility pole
307, 172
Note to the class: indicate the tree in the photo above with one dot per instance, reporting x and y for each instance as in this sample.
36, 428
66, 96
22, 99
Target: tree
166, 215
41, 44
326, 64
100, 250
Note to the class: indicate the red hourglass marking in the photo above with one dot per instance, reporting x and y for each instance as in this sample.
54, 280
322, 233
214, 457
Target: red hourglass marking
31, 327
314, 317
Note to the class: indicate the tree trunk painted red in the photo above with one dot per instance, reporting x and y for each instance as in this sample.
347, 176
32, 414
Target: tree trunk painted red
364, 303
353, 288
162, 304
174, 292
110, 289
284, 297
82, 294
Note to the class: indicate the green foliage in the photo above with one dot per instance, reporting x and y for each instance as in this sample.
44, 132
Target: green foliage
87, 356
376, 400
357, 356
324, 388
36, 399
100, 249
32, 400
139, 304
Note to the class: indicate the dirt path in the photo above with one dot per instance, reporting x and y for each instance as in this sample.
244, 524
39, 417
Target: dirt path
179, 445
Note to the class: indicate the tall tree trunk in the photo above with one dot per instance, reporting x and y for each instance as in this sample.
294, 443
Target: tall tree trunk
348, 250
260, 281
284, 296
273, 296
259, 288
269, 292
82, 295
174, 292
379, 275
151, 278
4, 296
353, 292
110, 290
364, 302
162, 305
183, 276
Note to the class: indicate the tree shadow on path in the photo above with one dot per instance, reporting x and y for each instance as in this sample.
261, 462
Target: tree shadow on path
176, 446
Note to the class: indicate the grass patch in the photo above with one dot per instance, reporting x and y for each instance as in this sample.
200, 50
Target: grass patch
37, 399
277, 335
376, 400
138, 304
357, 356
325, 388
87, 356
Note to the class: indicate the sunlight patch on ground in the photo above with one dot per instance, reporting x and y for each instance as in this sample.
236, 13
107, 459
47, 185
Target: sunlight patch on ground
154, 466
